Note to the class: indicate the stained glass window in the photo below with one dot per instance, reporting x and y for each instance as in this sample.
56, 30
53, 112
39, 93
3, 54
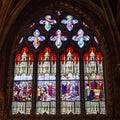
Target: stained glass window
80, 37
46, 85
36, 39
58, 38
66, 80
69, 21
70, 84
48, 22
22, 86
94, 82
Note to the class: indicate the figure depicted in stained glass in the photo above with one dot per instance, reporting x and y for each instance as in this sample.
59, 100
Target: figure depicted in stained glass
80, 38
22, 91
22, 85
22, 96
70, 90
58, 38
36, 39
69, 21
46, 85
94, 91
48, 22
94, 84
70, 85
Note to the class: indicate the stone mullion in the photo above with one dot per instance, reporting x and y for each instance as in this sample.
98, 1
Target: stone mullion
117, 92
58, 82
82, 85
34, 85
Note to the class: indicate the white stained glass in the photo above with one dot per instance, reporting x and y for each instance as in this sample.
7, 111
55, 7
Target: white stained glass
80, 38
52, 107
95, 107
87, 107
28, 107
70, 84
46, 107
21, 107
58, 38
102, 107
63, 110
68, 107
77, 107
48, 22
94, 82
69, 21
14, 107
36, 39
38, 107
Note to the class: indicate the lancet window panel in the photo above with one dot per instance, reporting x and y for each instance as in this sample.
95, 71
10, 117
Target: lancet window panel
22, 83
94, 82
46, 84
70, 84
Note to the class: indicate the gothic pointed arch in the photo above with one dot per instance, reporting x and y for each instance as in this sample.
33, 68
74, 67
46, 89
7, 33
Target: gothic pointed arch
70, 58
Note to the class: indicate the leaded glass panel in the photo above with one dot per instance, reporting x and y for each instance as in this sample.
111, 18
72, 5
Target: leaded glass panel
46, 85
70, 84
94, 82
22, 87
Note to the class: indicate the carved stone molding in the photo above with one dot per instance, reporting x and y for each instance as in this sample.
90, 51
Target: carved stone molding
118, 68
1, 105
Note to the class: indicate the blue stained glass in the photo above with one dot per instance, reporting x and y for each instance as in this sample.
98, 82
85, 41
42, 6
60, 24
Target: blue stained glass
46, 85
46, 91
70, 84
36, 39
22, 85
94, 82
22, 91
69, 21
95, 38
70, 90
48, 22
58, 38
80, 38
